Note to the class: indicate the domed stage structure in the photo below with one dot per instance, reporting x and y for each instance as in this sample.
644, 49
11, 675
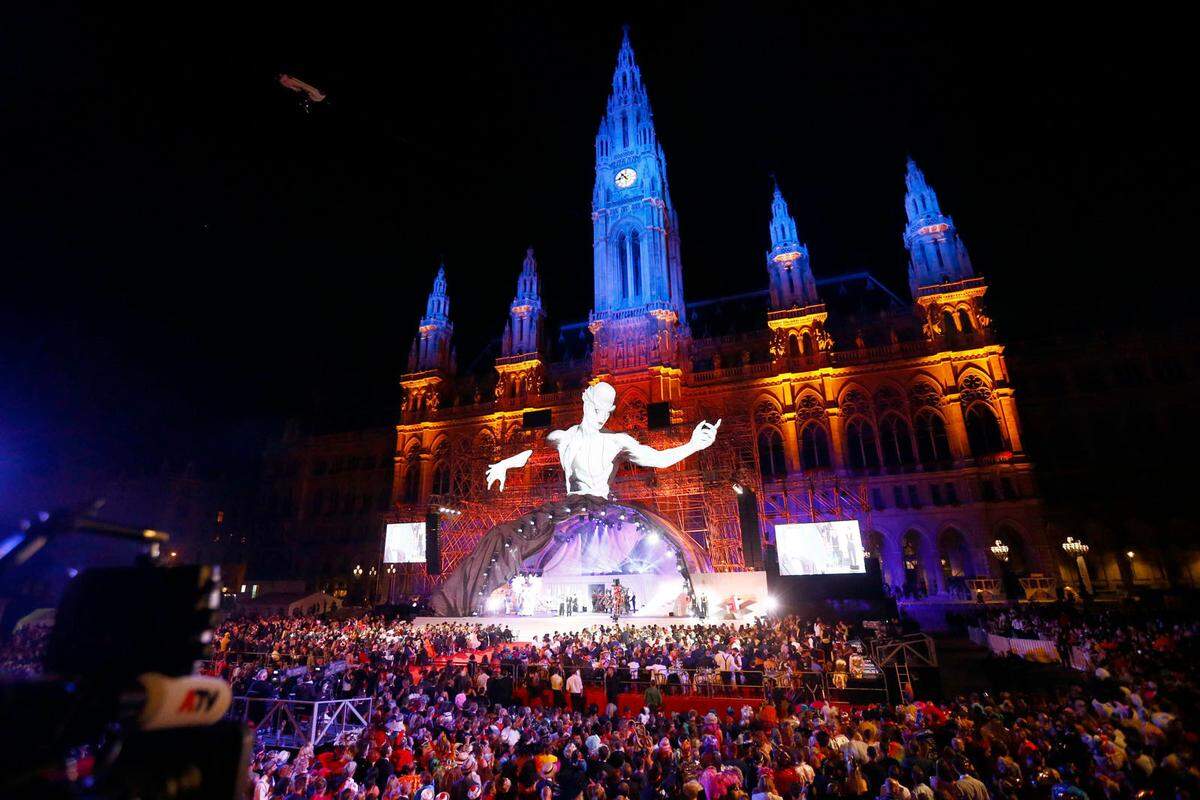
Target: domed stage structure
568, 554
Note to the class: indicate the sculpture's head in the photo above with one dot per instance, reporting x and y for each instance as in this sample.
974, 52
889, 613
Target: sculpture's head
599, 401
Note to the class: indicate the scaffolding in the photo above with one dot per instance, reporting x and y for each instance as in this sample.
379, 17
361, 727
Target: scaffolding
695, 496
294, 723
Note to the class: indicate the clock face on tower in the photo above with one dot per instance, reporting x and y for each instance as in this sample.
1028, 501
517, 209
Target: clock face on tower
625, 178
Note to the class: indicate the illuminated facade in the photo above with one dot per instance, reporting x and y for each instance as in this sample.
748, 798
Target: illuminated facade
839, 399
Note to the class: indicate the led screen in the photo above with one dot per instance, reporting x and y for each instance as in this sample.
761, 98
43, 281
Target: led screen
819, 548
404, 543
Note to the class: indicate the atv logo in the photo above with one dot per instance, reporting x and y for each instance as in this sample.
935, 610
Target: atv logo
197, 701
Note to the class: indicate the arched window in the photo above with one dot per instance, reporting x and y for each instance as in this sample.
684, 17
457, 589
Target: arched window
623, 265
807, 343
412, 482
914, 577
895, 439
624, 130
814, 447
933, 447
635, 260
964, 321
948, 326
441, 478
771, 461
793, 345
983, 431
861, 452
953, 555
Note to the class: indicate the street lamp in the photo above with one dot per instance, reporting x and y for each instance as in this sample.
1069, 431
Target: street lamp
1074, 547
358, 570
1000, 550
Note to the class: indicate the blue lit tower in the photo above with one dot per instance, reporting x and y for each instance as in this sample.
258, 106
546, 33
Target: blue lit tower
797, 315
431, 358
638, 319
519, 368
939, 270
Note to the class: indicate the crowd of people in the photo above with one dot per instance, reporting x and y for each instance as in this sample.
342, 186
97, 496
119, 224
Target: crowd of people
261, 653
1127, 642
439, 728
449, 723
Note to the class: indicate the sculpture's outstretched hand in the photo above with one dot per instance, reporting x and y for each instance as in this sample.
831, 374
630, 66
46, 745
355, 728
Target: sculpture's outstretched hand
705, 434
496, 474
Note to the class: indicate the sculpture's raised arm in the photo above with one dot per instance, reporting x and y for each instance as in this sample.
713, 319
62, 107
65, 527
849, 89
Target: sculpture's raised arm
703, 436
496, 472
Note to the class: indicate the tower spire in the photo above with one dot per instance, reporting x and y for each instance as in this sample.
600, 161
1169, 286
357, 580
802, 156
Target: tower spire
523, 331
627, 78
796, 316
947, 292
519, 369
792, 283
434, 350
638, 280
936, 253
431, 361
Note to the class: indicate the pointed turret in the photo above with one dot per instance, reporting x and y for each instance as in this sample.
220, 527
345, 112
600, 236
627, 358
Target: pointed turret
796, 315
791, 278
936, 253
432, 358
529, 285
437, 307
434, 351
948, 294
519, 368
627, 78
523, 331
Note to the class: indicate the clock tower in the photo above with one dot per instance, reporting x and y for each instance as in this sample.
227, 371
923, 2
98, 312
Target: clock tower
638, 319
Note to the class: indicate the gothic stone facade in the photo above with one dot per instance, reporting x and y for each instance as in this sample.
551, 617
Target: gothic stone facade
839, 399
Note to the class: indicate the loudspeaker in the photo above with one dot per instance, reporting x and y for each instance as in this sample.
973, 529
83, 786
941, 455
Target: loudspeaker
433, 545
771, 564
747, 503
658, 415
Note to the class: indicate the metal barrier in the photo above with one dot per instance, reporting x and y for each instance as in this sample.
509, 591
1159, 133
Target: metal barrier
294, 723
706, 682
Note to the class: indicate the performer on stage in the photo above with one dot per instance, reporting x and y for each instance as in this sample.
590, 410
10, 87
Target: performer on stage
588, 455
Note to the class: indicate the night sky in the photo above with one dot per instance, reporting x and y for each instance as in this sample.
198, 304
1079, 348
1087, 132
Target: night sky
190, 258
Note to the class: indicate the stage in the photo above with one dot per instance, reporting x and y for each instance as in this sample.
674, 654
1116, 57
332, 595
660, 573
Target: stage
525, 629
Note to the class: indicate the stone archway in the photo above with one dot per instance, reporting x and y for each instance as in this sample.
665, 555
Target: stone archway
954, 560
920, 579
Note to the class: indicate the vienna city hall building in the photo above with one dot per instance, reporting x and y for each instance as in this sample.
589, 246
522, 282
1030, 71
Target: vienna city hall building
839, 399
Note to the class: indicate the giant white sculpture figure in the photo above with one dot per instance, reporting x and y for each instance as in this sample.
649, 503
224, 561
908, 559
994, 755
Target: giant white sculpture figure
588, 454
